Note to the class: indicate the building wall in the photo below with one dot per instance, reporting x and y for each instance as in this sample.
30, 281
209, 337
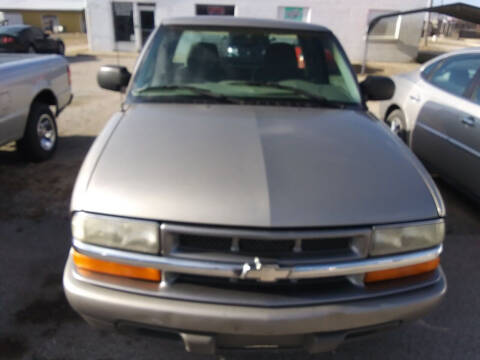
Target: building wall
71, 20
346, 18
99, 17
11, 18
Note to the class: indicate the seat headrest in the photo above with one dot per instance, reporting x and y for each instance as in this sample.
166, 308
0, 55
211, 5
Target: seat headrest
459, 77
202, 54
281, 55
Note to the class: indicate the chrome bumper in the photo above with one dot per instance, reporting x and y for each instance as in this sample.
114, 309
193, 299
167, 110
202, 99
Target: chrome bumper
234, 324
261, 273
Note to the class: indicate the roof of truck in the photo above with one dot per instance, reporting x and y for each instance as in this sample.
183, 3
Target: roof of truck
209, 20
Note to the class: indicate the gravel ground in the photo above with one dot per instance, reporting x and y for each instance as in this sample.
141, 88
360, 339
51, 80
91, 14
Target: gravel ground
36, 323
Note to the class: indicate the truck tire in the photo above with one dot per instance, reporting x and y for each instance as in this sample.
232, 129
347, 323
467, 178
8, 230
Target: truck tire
39, 141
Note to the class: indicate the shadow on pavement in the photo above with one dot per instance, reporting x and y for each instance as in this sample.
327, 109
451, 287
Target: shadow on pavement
426, 55
69, 148
9, 155
80, 58
368, 70
73, 147
463, 216
32, 190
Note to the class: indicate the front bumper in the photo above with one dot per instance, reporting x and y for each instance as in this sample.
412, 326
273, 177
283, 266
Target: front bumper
205, 327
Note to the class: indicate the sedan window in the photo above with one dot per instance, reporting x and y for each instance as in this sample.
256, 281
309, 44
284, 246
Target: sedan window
12, 30
476, 95
37, 33
456, 75
428, 70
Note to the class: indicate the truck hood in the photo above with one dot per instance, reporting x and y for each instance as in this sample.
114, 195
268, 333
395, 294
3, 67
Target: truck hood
256, 166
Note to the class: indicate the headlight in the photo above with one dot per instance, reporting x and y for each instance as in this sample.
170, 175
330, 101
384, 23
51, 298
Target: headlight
125, 234
396, 239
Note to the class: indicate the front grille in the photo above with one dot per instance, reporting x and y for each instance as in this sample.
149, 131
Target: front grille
192, 243
257, 247
328, 246
282, 287
285, 247
271, 250
265, 248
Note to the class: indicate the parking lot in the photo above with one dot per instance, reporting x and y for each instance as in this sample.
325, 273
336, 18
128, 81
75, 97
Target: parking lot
37, 323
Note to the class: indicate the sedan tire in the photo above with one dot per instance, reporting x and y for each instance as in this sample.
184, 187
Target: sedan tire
397, 124
61, 48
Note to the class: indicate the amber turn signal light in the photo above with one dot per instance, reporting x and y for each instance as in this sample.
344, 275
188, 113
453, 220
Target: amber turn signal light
401, 272
107, 267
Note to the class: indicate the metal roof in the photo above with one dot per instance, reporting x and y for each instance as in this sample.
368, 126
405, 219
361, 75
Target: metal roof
233, 21
51, 5
459, 10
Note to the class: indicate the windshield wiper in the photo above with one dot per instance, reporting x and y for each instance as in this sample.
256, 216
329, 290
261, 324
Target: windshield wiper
200, 91
315, 98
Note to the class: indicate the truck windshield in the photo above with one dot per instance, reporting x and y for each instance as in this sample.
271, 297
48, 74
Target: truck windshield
243, 65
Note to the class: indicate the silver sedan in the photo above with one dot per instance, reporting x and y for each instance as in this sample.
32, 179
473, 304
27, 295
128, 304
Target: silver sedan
436, 110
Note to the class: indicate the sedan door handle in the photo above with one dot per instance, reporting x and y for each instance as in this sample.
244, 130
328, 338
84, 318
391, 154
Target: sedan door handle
469, 121
415, 98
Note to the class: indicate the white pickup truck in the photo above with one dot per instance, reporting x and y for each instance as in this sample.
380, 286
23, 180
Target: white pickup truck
33, 91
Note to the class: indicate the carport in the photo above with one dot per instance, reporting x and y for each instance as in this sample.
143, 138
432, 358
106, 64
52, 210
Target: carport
459, 10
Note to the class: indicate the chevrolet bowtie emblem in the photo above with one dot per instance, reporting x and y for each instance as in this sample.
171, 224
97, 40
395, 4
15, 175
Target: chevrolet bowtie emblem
264, 273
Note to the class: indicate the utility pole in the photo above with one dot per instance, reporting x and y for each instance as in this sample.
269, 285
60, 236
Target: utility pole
426, 29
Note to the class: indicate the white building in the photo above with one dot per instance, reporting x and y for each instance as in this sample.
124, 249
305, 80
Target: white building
124, 24
51, 15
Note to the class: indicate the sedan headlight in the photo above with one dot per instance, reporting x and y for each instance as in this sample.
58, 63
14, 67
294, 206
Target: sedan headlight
397, 239
115, 232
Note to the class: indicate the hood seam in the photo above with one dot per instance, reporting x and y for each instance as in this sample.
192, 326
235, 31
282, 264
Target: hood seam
260, 140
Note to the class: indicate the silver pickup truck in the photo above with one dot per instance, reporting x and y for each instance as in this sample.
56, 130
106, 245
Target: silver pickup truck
245, 198
33, 91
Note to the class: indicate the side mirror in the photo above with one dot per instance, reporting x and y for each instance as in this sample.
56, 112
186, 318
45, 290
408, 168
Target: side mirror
377, 88
113, 77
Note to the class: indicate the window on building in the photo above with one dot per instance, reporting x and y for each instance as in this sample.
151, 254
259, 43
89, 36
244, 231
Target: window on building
388, 28
215, 10
294, 13
49, 22
123, 21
